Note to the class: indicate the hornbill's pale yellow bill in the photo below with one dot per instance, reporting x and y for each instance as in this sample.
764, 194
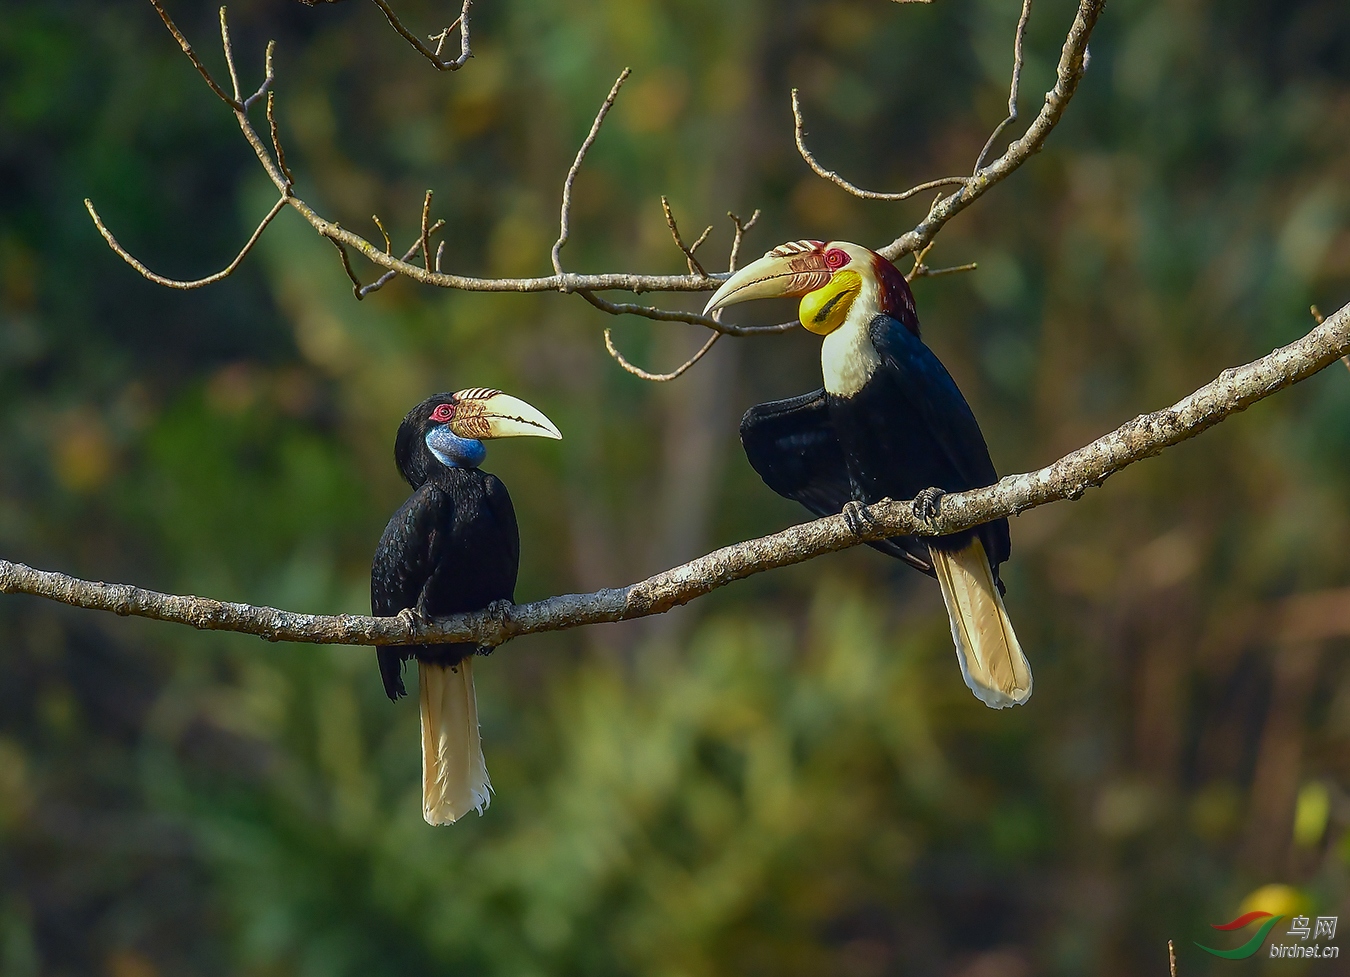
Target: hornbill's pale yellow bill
482, 413
890, 422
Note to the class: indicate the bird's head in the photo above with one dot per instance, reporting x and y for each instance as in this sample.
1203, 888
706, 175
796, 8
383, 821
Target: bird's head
832, 278
449, 429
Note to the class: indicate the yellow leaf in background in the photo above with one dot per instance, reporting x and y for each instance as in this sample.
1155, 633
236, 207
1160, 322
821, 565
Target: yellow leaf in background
82, 458
1276, 899
1311, 813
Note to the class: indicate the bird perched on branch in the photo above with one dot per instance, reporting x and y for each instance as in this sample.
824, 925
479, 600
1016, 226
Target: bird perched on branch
452, 547
889, 423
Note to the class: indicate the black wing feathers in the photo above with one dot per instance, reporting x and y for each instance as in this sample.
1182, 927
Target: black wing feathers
404, 563
792, 445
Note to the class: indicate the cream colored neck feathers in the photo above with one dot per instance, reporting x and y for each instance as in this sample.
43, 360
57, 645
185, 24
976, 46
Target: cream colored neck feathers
847, 357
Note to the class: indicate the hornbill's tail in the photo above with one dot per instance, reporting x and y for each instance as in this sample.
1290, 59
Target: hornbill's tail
991, 659
454, 776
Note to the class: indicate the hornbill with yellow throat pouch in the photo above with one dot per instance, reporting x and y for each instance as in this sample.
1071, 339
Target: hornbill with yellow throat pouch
888, 423
452, 547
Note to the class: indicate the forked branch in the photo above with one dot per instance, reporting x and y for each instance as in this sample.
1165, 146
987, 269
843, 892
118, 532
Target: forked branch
1073, 61
679, 371
1232, 391
433, 55
272, 159
799, 134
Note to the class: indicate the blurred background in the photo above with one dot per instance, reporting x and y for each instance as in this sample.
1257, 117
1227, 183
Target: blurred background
788, 777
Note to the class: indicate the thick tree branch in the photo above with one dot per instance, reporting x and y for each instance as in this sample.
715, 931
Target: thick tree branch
1068, 478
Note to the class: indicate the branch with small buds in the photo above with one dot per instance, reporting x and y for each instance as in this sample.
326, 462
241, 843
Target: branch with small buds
273, 161
433, 55
921, 270
1073, 63
1234, 390
741, 228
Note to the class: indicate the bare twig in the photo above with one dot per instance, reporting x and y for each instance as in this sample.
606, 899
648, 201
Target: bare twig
269, 76
1072, 64
357, 289
426, 241
444, 35
384, 279
926, 272
228, 48
192, 56
1018, 60
921, 270
565, 214
1068, 478
669, 315
695, 268
388, 245
736, 241
462, 22
839, 181
174, 282
1171, 959
637, 371
276, 142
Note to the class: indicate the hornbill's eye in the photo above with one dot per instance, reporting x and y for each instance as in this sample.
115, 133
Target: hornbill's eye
836, 258
443, 413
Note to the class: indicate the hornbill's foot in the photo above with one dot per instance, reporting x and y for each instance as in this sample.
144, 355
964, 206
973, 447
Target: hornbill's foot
928, 504
497, 612
858, 518
414, 617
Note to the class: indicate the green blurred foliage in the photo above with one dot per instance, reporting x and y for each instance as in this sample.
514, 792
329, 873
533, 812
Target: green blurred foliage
787, 777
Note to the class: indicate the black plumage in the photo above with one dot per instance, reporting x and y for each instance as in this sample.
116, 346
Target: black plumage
452, 547
906, 430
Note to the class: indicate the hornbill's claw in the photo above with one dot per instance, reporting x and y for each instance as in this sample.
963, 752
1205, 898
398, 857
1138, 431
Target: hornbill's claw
928, 504
858, 518
414, 617
496, 612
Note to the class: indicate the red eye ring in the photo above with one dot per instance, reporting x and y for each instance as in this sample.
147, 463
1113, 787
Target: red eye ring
443, 413
835, 259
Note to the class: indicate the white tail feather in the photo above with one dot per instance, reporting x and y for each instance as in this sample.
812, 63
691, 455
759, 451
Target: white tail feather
454, 776
992, 662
